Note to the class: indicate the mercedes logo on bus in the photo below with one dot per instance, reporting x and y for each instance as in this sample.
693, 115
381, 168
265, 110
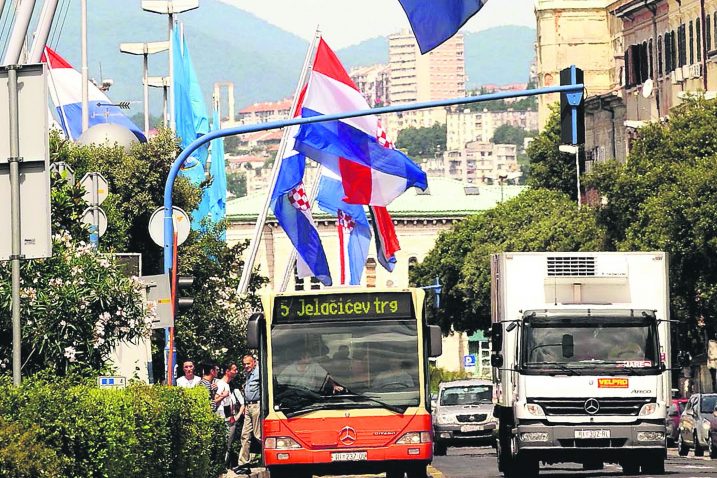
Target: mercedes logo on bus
347, 436
592, 406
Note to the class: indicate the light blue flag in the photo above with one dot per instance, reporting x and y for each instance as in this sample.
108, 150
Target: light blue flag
218, 189
196, 99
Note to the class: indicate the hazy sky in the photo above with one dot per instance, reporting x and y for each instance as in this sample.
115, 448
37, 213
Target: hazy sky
346, 22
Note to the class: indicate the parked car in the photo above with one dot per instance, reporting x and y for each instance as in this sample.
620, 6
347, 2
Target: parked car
696, 427
673, 419
464, 415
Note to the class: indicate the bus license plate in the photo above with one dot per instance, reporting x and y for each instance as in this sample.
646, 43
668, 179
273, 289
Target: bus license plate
592, 433
471, 428
349, 456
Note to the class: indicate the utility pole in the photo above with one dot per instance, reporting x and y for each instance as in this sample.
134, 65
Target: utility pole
145, 49
161, 82
85, 89
43, 30
16, 41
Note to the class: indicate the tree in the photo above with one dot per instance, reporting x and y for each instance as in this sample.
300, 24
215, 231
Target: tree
236, 183
663, 198
422, 143
536, 220
549, 168
509, 134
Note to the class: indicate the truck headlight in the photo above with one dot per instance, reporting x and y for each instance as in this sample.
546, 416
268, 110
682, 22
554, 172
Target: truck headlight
648, 409
443, 419
281, 443
650, 436
534, 436
535, 409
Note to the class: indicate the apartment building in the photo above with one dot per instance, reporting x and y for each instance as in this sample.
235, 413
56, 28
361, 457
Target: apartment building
265, 112
373, 81
477, 162
465, 125
439, 74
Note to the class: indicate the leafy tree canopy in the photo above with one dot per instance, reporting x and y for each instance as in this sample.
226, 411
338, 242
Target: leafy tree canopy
536, 220
422, 143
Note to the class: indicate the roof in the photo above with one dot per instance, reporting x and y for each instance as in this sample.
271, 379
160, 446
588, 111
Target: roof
445, 198
268, 106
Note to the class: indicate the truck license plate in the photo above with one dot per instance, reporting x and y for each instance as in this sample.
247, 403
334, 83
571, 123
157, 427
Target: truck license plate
349, 456
471, 428
592, 433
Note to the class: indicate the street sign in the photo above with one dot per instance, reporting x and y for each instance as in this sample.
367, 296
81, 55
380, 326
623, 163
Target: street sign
111, 382
182, 225
159, 297
102, 187
34, 163
101, 219
469, 360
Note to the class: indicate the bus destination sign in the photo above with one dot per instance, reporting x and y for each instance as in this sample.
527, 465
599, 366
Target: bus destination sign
370, 305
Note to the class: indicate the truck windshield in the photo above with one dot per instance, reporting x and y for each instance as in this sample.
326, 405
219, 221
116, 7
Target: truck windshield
581, 345
328, 365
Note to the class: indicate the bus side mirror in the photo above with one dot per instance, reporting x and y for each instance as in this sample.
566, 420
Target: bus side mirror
496, 360
253, 330
496, 337
436, 338
568, 346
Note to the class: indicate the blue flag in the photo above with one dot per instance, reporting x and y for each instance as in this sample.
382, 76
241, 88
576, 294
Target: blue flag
435, 21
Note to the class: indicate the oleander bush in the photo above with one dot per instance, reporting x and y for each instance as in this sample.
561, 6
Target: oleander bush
80, 430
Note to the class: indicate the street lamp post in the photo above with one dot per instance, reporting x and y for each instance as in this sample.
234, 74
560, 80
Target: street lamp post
160, 82
170, 8
570, 149
145, 49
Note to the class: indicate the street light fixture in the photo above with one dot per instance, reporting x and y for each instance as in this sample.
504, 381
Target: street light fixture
570, 149
145, 49
170, 8
160, 82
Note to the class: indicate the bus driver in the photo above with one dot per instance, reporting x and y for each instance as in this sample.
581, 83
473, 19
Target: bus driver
308, 374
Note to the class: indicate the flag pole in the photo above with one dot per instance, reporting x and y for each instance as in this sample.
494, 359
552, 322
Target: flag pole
261, 220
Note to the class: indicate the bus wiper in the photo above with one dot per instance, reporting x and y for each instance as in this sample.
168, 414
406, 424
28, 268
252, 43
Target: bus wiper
393, 408
311, 408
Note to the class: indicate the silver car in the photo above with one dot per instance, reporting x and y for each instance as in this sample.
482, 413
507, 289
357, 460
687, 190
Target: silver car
464, 415
696, 425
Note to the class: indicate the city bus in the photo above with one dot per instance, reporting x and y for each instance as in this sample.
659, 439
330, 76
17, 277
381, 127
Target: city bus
345, 382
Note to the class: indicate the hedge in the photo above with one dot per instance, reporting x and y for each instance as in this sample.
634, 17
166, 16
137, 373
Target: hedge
73, 430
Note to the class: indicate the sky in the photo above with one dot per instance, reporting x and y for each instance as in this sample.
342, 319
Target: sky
347, 22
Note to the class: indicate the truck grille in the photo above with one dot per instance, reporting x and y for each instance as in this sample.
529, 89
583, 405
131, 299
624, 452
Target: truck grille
571, 266
472, 418
577, 406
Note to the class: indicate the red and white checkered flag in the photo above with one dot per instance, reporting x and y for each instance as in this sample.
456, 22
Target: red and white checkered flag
382, 136
346, 221
299, 199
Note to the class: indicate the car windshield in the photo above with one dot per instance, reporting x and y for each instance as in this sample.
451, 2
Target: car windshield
708, 403
467, 395
375, 363
571, 344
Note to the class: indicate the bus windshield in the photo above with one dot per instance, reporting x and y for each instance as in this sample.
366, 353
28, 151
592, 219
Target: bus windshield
347, 364
578, 345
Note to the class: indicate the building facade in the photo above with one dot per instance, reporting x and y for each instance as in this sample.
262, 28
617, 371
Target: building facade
465, 125
265, 112
373, 81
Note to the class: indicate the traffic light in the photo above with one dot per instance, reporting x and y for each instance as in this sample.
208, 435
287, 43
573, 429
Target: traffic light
182, 303
572, 130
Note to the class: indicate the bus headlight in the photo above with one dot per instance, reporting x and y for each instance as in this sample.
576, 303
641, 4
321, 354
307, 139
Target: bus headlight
535, 409
648, 409
443, 419
413, 438
281, 443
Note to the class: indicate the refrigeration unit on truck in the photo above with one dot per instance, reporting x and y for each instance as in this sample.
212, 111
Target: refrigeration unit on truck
581, 358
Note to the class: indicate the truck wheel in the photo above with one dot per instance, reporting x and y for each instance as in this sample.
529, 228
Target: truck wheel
439, 448
698, 449
682, 448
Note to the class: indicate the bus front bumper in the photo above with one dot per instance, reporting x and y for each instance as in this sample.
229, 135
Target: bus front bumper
353, 458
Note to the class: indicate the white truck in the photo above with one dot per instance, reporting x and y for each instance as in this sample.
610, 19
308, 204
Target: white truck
581, 359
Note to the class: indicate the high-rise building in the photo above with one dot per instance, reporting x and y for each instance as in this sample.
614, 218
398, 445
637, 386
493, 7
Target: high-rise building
373, 82
437, 75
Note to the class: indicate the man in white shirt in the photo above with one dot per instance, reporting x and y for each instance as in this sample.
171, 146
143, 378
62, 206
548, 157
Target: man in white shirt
228, 408
189, 380
309, 375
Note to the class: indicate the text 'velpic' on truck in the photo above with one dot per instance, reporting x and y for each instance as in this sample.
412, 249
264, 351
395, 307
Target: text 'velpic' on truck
581, 359
346, 384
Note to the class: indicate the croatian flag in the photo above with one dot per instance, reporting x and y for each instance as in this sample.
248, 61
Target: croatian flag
371, 174
433, 22
386, 239
65, 85
353, 230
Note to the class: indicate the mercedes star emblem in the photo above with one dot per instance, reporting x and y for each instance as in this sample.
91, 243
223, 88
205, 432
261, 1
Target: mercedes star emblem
592, 406
347, 436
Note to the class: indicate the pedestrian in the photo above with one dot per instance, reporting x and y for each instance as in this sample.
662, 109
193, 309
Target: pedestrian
252, 411
209, 381
189, 380
227, 408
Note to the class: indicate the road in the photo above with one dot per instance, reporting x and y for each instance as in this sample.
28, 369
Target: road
481, 462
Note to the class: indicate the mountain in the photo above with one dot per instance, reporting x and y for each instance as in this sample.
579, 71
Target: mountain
230, 44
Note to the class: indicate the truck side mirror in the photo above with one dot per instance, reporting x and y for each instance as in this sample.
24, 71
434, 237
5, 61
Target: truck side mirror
496, 337
253, 327
436, 338
568, 346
